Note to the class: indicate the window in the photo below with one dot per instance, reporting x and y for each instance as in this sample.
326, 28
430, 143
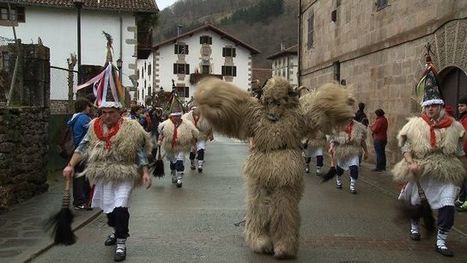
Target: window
181, 68
229, 71
149, 91
380, 4
149, 70
228, 52
205, 40
16, 14
205, 69
182, 91
310, 31
181, 49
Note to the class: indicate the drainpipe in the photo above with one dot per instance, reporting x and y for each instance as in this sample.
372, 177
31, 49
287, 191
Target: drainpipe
299, 49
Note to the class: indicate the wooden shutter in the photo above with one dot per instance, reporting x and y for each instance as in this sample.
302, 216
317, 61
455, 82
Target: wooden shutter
234, 71
175, 68
187, 69
234, 54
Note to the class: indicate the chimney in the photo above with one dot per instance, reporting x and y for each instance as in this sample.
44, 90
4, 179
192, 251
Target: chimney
179, 30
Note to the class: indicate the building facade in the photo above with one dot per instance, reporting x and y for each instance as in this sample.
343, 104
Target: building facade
378, 47
184, 60
285, 64
54, 23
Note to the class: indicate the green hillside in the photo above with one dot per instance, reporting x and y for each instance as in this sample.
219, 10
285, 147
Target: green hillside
263, 24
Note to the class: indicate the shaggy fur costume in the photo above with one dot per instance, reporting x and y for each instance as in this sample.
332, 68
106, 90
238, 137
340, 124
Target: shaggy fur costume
120, 162
274, 169
346, 147
313, 138
202, 125
186, 135
440, 164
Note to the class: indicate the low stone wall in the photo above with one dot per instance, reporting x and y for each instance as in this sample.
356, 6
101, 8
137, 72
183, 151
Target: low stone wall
23, 153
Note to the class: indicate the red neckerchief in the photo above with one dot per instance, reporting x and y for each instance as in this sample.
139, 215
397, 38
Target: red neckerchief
174, 136
348, 129
443, 123
196, 119
98, 129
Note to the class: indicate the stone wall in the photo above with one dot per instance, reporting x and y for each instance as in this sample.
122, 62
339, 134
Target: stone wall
381, 52
24, 123
23, 153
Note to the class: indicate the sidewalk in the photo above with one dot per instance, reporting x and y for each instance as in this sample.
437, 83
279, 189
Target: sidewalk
22, 236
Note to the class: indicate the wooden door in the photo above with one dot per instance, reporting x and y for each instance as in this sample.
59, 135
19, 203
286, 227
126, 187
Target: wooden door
453, 84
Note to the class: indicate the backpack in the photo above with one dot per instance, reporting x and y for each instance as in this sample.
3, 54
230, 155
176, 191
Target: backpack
66, 146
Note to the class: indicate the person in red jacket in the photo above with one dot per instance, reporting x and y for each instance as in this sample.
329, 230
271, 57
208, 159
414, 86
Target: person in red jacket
461, 203
379, 131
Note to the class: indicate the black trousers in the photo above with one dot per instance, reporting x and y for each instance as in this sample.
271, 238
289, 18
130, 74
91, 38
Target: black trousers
81, 187
119, 219
446, 217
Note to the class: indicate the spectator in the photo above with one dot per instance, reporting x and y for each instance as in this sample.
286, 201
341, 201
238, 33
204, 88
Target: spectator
379, 131
461, 202
79, 123
360, 115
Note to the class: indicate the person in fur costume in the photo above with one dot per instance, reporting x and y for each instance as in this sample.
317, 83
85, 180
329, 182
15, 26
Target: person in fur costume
434, 160
346, 147
116, 150
315, 140
177, 135
205, 133
274, 169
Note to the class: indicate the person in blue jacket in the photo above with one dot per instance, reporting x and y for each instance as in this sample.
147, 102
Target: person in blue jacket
79, 124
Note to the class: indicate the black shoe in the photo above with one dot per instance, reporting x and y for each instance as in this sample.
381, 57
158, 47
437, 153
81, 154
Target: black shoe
79, 207
200, 170
111, 240
339, 186
444, 251
377, 170
120, 254
415, 236
179, 183
353, 191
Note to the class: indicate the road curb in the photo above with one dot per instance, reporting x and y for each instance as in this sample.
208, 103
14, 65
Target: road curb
44, 246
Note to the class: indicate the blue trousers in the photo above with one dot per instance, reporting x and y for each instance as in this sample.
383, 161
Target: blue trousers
380, 149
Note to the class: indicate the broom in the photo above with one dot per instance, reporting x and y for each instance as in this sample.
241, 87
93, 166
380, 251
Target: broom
423, 210
61, 222
158, 165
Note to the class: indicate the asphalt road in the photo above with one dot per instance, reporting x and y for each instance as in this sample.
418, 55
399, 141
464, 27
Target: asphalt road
196, 223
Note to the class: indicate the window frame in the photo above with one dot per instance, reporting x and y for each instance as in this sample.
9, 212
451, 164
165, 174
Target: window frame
179, 68
230, 71
205, 39
179, 48
310, 30
231, 50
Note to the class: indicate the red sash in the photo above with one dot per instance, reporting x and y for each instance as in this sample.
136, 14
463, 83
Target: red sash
98, 129
443, 123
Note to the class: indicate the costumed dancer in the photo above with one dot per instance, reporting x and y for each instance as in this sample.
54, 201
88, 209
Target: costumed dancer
315, 140
176, 136
434, 160
276, 125
205, 133
346, 146
116, 149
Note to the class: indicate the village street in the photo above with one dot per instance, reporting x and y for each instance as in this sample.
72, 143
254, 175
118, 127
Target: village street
197, 222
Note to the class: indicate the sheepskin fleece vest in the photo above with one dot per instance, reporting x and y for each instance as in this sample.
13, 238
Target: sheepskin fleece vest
439, 162
347, 147
119, 163
186, 135
202, 125
316, 140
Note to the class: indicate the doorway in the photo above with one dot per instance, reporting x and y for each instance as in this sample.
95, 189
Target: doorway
453, 84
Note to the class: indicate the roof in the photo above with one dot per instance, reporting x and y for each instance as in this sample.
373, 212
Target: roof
207, 27
287, 51
145, 6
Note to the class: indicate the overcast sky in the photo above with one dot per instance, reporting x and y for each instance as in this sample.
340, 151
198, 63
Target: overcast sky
164, 3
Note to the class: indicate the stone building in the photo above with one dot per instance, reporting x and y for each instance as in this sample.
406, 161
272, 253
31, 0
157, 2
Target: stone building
378, 47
